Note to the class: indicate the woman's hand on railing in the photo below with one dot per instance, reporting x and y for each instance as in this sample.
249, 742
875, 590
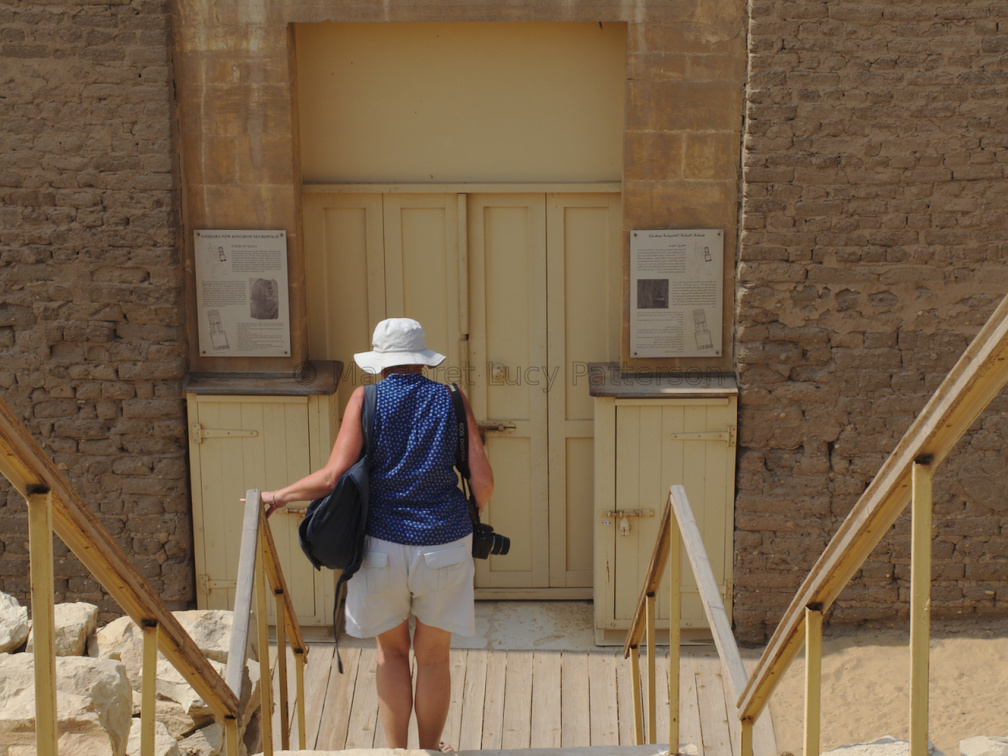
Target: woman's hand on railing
269, 498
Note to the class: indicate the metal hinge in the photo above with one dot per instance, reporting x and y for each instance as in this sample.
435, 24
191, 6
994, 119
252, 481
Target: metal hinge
728, 436
198, 433
206, 584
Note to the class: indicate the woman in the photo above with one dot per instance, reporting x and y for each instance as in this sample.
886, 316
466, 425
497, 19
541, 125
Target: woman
418, 549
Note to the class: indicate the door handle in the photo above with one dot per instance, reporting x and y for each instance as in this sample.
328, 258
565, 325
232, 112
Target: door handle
485, 428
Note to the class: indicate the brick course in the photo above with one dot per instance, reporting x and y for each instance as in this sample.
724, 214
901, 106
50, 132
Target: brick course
872, 248
90, 317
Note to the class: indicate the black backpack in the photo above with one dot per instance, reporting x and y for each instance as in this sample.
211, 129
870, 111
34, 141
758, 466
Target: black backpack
332, 531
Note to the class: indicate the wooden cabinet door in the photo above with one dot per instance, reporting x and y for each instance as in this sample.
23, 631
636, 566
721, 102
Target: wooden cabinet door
657, 444
242, 442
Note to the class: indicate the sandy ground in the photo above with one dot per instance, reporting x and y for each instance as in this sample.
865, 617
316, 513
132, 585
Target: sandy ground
866, 684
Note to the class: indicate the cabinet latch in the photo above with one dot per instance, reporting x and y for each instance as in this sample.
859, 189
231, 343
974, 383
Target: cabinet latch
623, 517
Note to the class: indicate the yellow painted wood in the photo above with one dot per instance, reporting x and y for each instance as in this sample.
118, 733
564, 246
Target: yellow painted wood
583, 246
148, 694
605, 494
231, 736
656, 446
345, 275
813, 679
920, 607
546, 684
507, 248
262, 612
690, 730
746, 746
299, 665
290, 433
281, 640
526, 101
40, 557
675, 589
652, 643
638, 704
976, 378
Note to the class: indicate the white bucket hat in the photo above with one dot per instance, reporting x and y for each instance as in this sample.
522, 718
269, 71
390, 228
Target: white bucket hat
397, 341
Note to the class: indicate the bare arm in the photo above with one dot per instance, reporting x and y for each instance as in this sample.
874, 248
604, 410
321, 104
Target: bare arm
480, 474
346, 451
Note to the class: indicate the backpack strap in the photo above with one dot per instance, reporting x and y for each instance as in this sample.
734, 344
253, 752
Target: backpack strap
462, 450
368, 412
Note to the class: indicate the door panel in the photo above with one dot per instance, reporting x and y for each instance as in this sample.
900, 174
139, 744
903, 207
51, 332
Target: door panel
507, 253
583, 243
422, 267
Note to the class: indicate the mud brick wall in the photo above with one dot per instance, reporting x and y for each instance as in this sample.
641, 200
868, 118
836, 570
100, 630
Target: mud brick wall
92, 344
874, 244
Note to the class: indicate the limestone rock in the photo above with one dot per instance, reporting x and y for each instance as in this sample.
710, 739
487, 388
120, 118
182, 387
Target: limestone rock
74, 623
983, 746
884, 746
94, 704
164, 743
208, 741
13, 623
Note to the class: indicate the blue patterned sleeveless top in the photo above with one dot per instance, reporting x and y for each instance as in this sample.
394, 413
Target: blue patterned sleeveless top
414, 496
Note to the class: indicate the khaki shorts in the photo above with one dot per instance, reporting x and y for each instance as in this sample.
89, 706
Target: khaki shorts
433, 583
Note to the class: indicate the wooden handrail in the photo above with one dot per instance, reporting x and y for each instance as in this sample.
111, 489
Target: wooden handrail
652, 581
30, 471
977, 378
295, 638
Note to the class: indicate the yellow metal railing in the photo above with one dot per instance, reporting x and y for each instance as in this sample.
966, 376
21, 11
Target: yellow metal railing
905, 477
54, 507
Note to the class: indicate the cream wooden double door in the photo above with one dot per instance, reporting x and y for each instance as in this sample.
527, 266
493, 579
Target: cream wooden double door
521, 292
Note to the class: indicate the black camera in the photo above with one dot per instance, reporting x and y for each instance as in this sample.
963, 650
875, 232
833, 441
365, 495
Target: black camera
486, 542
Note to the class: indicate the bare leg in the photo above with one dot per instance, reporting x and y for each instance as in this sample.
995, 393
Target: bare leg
433, 684
394, 684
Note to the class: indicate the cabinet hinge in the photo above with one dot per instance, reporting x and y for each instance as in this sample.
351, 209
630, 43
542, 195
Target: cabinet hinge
197, 433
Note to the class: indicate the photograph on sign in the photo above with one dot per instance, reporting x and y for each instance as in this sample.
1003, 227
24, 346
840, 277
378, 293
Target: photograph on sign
241, 293
676, 290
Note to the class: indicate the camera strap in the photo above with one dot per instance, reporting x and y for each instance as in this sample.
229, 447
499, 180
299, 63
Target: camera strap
462, 449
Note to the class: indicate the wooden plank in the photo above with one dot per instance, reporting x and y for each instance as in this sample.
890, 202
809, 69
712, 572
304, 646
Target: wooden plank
452, 733
625, 701
247, 568
975, 379
546, 714
603, 697
660, 735
329, 716
322, 691
575, 730
363, 720
473, 699
518, 701
717, 618
84, 535
710, 697
690, 732
493, 701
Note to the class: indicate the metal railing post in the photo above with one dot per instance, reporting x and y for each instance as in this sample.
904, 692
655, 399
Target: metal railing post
920, 604
813, 678
40, 557
148, 694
